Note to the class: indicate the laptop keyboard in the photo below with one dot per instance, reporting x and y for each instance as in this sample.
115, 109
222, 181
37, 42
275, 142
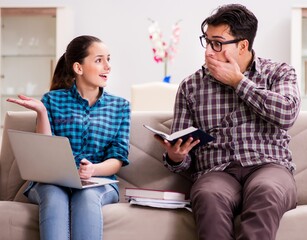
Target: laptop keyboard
85, 183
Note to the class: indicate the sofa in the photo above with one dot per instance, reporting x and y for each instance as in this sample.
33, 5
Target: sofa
122, 221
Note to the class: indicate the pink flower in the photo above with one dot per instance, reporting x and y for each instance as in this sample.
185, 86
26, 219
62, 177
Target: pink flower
163, 51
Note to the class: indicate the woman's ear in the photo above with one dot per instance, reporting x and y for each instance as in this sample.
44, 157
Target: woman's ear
77, 68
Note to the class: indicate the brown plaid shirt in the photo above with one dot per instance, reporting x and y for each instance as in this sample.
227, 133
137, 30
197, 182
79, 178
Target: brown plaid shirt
249, 123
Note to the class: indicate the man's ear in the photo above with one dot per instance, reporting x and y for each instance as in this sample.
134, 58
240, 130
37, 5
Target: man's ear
243, 45
77, 68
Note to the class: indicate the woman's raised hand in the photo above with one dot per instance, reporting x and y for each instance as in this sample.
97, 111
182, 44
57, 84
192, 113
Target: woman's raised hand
28, 102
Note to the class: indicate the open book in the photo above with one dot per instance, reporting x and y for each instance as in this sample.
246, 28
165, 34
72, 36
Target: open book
184, 134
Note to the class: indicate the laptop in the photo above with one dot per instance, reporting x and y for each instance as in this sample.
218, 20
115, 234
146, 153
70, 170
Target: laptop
48, 159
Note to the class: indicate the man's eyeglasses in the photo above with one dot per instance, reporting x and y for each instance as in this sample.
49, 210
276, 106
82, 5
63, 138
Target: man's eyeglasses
216, 45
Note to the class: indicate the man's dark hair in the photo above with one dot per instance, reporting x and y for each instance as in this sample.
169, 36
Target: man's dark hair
242, 22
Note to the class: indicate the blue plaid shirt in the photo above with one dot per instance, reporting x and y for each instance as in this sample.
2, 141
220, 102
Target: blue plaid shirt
97, 132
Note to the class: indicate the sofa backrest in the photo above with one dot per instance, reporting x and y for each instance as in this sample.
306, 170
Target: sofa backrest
298, 146
146, 169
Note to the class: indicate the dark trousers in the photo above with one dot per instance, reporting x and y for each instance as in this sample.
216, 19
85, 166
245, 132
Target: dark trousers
259, 194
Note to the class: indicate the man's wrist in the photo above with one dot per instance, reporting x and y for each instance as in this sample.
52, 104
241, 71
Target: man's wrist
170, 161
237, 81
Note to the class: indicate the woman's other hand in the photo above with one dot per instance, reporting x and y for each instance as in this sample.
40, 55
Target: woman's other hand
86, 169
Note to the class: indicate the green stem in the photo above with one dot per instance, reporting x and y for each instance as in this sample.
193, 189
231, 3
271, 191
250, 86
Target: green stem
165, 68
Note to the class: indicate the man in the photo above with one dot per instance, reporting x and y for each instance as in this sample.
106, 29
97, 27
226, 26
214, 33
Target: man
248, 104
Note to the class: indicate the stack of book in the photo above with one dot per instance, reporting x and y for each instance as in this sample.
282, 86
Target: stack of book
157, 198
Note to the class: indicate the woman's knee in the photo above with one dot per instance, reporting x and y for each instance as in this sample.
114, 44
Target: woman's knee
96, 195
48, 193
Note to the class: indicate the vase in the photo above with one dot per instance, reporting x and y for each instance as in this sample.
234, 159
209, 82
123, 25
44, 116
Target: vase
167, 79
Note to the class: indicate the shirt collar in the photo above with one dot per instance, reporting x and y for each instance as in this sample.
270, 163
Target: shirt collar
254, 66
75, 93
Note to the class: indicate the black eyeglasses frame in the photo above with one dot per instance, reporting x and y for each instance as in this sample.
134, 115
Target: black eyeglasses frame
208, 41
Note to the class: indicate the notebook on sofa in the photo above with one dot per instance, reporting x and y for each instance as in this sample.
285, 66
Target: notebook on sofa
48, 159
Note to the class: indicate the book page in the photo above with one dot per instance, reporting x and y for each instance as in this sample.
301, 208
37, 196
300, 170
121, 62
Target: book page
162, 134
181, 133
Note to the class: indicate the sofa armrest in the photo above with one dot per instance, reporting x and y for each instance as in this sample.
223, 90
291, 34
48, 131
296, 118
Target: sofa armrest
10, 180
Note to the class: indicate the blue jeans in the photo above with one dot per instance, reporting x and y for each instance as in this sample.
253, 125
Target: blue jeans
66, 213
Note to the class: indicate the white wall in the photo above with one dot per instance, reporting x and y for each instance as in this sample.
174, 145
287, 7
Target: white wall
123, 26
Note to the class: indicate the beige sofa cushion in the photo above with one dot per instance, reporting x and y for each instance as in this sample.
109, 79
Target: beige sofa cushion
293, 224
124, 222
18, 221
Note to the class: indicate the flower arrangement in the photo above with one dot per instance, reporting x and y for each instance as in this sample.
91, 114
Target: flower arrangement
164, 51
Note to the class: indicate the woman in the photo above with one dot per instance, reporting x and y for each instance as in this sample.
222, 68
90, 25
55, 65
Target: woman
97, 125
